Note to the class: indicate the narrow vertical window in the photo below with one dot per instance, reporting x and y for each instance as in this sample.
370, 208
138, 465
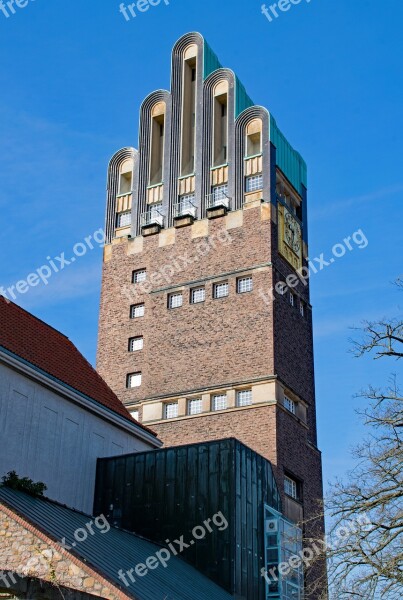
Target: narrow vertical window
125, 183
157, 144
220, 136
254, 138
189, 111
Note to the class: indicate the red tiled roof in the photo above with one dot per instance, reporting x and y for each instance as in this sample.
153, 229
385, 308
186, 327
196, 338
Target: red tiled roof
46, 348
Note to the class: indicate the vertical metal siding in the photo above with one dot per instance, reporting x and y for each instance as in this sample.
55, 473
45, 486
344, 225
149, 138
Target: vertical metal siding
163, 494
242, 99
211, 62
289, 160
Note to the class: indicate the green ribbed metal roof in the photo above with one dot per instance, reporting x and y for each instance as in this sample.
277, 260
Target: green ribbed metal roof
242, 99
289, 161
109, 552
211, 62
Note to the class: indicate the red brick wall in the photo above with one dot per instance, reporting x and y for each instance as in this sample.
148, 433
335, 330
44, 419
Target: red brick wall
217, 342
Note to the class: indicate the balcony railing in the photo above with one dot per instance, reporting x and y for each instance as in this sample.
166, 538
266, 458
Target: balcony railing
216, 200
185, 208
153, 216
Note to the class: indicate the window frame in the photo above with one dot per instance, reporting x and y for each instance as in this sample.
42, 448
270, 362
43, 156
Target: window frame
292, 403
138, 272
132, 375
175, 295
216, 286
258, 178
294, 487
119, 216
214, 398
133, 308
165, 410
197, 289
190, 401
240, 280
238, 395
131, 343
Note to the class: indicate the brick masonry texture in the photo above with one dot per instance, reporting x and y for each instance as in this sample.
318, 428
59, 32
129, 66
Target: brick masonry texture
194, 346
25, 552
219, 343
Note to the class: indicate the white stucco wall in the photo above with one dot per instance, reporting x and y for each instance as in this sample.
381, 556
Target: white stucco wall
48, 438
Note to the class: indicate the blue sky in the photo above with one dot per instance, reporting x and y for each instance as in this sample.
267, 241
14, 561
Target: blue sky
72, 77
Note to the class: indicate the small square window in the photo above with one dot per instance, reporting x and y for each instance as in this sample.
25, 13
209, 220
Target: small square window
124, 219
133, 380
220, 290
254, 183
195, 406
175, 300
197, 295
135, 414
139, 276
136, 311
290, 405
219, 402
244, 398
291, 487
136, 343
244, 284
292, 299
171, 410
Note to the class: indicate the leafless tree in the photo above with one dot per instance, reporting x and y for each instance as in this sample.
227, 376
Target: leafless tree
365, 541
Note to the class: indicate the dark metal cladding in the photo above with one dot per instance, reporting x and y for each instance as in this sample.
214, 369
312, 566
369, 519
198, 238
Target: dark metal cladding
164, 494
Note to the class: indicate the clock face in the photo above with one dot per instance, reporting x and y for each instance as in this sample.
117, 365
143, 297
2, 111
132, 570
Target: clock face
292, 232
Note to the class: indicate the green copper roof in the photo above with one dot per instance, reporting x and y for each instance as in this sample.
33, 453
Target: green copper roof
242, 99
211, 62
289, 161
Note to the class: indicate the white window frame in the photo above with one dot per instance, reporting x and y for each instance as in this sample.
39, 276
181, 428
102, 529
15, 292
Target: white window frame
134, 377
137, 307
187, 200
124, 219
175, 300
244, 397
139, 276
290, 405
254, 183
136, 343
281, 286
135, 414
219, 192
244, 284
220, 285
292, 299
219, 402
193, 295
198, 402
171, 410
302, 308
290, 487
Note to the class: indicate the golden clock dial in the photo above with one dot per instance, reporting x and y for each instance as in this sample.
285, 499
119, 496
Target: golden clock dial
292, 232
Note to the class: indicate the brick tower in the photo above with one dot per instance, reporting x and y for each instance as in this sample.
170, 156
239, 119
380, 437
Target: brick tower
205, 325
